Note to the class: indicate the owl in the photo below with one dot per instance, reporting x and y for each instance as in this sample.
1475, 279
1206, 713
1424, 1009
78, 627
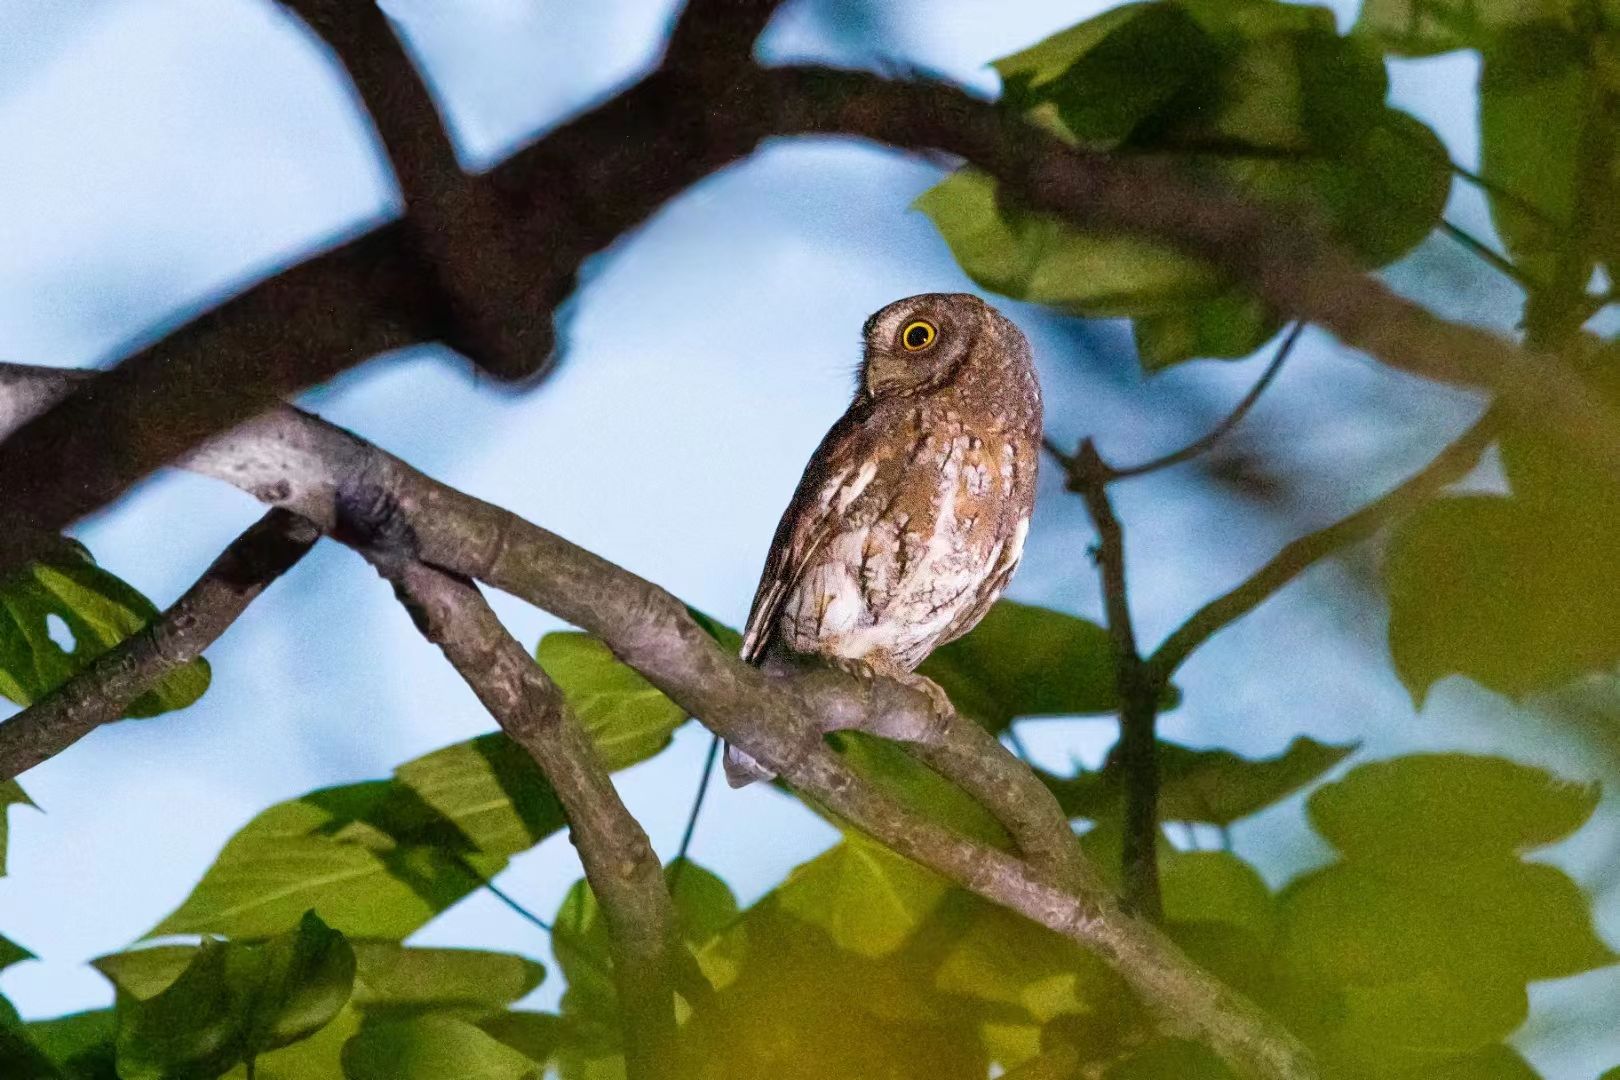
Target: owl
912, 513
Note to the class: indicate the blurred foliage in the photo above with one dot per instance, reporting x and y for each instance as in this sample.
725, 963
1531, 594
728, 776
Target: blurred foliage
1407, 956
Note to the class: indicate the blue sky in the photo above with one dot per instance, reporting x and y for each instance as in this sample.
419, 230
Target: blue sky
164, 151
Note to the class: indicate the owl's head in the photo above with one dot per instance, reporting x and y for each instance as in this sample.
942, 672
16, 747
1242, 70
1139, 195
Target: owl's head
921, 342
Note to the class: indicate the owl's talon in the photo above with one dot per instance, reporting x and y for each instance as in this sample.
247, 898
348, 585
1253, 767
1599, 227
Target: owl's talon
938, 699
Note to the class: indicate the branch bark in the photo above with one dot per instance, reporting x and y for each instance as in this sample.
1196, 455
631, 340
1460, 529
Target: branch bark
592, 179
1088, 475
101, 693
619, 862
293, 460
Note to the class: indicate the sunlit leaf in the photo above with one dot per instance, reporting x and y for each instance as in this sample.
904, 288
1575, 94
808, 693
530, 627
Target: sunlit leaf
433, 1048
1216, 887
234, 1002
12, 953
1228, 326
629, 718
867, 898
1429, 809
80, 1045
98, 610
1171, 1059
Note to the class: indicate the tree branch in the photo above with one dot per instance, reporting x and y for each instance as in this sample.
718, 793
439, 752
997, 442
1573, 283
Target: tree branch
1088, 475
1449, 466
586, 183
291, 459
102, 691
619, 862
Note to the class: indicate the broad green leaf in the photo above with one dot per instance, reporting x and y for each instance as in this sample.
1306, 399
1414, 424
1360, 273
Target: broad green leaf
534, 1035
1260, 96
234, 1002
1427, 810
704, 904
1491, 588
630, 719
1532, 73
1023, 661
1228, 326
1429, 1015
1502, 923
20, 1059
1003, 959
1213, 786
433, 1048
320, 852
867, 898
1216, 887
888, 767
11, 794
80, 1044
1170, 1059
1491, 1063
1107, 75
728, 638
99, 610
377, 860
1427, 27
390, 979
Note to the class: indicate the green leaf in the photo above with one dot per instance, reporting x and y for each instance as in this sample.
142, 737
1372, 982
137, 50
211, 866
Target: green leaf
728, 638
99, 610
1170, 1059
1021, 661
1491, 588
12, 953
630, 719
1228, 326
377, 860
11, 794
1492, 1063
433, 1048
1427, 27
704, 904
1213, 786
888, 767
1426, 1016
1531, 73
1501, 923
1216, 887
80, 1044
390, 979
234, 1002
1003, 959
1425, 810
867, 898
534, 1035
1261, 96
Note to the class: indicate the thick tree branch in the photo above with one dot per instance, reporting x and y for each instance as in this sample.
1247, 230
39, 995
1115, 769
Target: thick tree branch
293, 460
586, 183
1088, 475
619, 862
102, 691
1449, 466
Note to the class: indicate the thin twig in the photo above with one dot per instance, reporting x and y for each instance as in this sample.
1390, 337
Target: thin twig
1447, 467
1139, 694
1517, 201
1219, 431
692, 815
1499, 262
102, 691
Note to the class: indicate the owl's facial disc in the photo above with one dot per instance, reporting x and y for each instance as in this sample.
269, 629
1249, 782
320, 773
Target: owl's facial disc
916, 343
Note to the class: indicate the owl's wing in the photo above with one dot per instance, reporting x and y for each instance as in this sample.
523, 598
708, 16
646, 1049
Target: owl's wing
812, 517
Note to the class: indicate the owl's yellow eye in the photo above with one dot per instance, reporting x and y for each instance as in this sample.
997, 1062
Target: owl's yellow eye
918, 336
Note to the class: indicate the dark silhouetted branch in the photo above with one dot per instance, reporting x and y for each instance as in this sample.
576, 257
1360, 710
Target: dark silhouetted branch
103, 691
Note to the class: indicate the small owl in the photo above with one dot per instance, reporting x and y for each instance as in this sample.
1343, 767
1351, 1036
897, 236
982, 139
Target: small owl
912, 513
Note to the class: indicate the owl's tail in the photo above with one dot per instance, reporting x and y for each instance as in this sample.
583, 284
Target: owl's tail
742, 770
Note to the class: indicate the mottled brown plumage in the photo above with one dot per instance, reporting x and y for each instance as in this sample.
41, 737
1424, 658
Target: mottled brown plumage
912, 513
